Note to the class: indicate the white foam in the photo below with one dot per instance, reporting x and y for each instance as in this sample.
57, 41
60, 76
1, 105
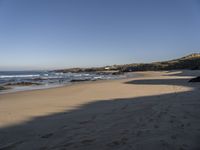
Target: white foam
19, 76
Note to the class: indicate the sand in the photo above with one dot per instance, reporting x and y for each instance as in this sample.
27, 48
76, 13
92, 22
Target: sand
158, 110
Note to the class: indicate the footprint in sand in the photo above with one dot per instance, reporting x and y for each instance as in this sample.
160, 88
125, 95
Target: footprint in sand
47, 135
150, 120
11, 145
171, 121
122, 141
85, 122
182, 126
181, 148
156, 126
173, 137
124, 132
184, 117
87, 141
159, 115
88, 121
164, 143
188, 124
67, 144
143, 124
138, 133
124, 107
94, 117
172, 116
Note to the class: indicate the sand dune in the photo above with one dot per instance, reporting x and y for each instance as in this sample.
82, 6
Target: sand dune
159, 110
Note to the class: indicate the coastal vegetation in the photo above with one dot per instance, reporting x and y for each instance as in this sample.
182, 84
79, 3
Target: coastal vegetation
191, 62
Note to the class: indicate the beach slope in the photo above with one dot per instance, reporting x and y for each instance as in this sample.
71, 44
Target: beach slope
158, 110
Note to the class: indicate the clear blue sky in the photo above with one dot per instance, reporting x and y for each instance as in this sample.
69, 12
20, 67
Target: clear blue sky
48, 34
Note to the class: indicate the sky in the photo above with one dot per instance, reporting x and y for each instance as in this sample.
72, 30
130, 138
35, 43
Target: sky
54, 34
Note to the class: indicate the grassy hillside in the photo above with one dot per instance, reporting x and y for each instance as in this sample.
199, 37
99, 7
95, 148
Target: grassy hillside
188, 62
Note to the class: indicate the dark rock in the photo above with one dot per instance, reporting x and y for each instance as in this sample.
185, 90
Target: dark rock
2, 88
47, 135
197, 79
22, 84
117, 73
39, 79
195, 68
80, 80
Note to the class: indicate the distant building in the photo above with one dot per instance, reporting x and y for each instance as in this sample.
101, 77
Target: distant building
107, 68
110, 68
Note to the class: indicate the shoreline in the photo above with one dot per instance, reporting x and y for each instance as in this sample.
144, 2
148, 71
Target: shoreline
43, 87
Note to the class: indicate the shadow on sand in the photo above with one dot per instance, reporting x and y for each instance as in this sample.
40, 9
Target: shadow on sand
169, 121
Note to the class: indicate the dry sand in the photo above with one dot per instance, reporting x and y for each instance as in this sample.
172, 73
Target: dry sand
159, 110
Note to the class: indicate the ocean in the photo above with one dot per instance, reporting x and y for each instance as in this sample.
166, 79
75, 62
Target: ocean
29, 80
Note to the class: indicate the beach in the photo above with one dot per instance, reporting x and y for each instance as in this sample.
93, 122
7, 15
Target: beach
155, 110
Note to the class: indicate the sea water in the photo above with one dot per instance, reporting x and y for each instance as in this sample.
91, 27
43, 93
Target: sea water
46, 79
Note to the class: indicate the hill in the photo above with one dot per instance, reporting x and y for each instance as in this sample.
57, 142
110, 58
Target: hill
191, 61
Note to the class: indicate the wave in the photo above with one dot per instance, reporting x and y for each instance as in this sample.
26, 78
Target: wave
19, 76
